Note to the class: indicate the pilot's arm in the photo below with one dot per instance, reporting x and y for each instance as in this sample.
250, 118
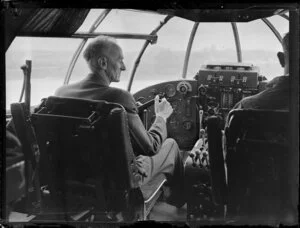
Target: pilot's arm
146, 142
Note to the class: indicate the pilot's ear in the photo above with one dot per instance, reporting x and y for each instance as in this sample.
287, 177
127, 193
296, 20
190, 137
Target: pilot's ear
102, 62
280, 56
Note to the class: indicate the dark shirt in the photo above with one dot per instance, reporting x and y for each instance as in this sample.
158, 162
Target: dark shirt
274, 97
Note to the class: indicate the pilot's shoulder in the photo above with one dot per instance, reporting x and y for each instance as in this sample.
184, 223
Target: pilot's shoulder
119, 94
244, 103
125, 98
123, 93
252, 101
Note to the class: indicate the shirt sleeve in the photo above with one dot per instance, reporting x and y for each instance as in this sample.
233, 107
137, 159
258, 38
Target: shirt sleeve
127, 101
144, 142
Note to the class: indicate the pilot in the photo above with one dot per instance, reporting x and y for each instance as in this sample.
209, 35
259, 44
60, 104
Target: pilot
275, 97
155, 153
276, 94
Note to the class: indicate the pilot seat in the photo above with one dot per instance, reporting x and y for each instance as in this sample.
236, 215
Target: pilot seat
87, 165
258, 171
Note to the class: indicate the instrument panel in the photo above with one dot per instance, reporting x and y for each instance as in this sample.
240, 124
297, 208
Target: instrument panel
215, 90
183, 124
225, 84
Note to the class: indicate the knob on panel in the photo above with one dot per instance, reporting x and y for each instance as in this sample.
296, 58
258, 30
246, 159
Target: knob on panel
202, 90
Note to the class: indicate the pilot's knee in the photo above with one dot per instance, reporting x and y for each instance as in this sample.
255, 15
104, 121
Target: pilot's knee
171, 141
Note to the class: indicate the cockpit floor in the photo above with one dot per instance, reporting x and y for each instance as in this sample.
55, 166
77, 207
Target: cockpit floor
166, 212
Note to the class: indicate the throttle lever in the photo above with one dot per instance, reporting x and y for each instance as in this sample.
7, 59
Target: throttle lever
197, 152
205, 158
193, 159
200, 121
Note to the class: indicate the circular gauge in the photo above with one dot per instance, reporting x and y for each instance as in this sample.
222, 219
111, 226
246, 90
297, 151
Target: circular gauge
170, 90
183, 87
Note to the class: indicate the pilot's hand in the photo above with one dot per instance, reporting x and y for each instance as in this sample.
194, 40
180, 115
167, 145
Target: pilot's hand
163, 108
140, 165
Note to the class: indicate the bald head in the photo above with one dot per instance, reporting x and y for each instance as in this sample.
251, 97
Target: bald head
100, 46
105, 58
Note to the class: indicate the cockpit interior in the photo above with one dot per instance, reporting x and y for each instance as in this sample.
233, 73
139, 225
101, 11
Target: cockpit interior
72, 160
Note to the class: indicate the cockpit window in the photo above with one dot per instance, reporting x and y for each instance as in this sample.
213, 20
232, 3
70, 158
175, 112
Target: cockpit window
164, 60
260, 45
50, 59
213, 42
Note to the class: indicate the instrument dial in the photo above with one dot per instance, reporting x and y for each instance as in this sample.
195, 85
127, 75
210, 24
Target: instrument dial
187, 125
183, 87
170, 90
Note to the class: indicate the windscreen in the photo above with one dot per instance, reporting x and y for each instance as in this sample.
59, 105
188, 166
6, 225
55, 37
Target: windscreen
161, 62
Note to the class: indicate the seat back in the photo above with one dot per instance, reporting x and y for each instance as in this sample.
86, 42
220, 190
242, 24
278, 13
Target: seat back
258, 153
85, 143
216, 160
25, 133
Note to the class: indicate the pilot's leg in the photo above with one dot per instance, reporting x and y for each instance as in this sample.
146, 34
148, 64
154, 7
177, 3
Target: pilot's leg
169, 162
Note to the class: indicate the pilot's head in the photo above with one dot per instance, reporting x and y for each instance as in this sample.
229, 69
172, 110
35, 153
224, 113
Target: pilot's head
284, 56
105, 58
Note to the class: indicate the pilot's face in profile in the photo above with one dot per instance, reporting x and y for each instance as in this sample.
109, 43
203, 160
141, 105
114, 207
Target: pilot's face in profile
115, 64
